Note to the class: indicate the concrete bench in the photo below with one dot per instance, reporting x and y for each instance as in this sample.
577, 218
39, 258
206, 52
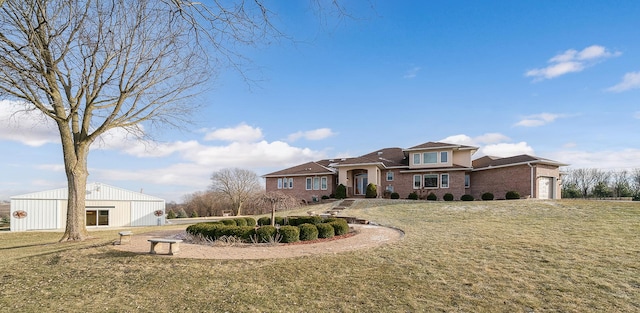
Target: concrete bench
127, 234
172, 250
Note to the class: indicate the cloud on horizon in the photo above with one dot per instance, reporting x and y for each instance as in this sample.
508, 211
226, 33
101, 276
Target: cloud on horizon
629, 81
571, 61
316, 134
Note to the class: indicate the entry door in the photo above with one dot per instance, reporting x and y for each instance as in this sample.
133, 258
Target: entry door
361, 183
545, 186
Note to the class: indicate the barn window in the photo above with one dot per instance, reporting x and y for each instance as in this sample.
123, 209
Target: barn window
97, 217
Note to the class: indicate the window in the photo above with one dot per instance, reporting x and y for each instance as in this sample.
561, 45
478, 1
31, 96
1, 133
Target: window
430, 180
389, 176
308, 183
389, 188
444, 181
430, 157
279, 183
467, 181
444, 157
323, 183
290, 183
416, 158
96, 217
417, 181
316, 183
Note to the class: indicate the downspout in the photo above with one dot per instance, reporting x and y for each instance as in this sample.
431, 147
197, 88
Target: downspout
532, 181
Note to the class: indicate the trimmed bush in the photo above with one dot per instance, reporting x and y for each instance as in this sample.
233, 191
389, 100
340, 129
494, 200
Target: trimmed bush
264, 221
289, 233
325, 197
279, 221
266, 233
466, 198
250, 221
308, 232
432, 197
413, 196
229, 222
487, 196
205, 229
395, 195
240, 221
447, 197
299, 220
512, 195
341, 192
372, 191
325, 230
340, 227
241, 232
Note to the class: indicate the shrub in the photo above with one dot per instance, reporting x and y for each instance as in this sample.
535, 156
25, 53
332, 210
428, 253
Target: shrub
264, 221
289, 233
395, 195
182, 214
266, 233
447, 197
308, 232
240, 221
240, 232
229, 222
171, 214
432, 197
194, 214
279, 221
341, 192
511, 195
372, 191
413, 196
325, 197
487, 196
250, 221
340, 227
325, 230
299, 220
466, 198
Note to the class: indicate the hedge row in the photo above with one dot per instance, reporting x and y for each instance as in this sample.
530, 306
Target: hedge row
324, 228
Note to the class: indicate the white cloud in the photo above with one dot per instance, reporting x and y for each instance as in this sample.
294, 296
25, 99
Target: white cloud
31, 128
494, 144
507, 149
316, 134
412, 72
629, 81
571, 61
241, 132
538, 119
601, 159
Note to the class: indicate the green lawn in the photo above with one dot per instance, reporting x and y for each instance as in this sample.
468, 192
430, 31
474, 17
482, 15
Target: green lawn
498, 256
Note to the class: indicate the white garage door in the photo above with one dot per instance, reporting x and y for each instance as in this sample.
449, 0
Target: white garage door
545, 185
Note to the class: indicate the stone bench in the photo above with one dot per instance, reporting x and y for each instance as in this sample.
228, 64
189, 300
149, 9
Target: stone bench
125, 234
172, 250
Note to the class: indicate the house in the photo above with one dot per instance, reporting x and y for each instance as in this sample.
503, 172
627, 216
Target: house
106, 206
432, 167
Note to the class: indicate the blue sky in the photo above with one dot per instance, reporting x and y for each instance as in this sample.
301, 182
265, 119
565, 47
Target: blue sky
556, 79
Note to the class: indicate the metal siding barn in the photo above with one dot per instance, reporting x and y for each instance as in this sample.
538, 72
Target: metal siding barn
105, 206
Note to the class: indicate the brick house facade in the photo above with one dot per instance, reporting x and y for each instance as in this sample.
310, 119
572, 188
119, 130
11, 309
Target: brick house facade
432, 167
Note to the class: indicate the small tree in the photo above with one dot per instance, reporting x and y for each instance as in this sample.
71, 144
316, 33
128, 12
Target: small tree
182, 213
372, 191
277, 200
341, 191
171, 214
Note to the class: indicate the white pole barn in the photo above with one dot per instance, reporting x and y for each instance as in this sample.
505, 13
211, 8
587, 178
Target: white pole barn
106, 206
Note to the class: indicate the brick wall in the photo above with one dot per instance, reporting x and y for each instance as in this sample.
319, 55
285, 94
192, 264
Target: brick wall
403, 184
299, 187
500, 180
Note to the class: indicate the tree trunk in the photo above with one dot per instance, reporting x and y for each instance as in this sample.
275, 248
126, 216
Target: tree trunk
273, 214
75, 164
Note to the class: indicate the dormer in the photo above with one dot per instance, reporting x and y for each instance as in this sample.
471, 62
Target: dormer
439, 155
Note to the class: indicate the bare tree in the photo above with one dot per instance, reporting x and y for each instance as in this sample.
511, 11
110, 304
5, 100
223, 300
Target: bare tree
237, 184
585, 179
620, 183
635, 182
93, 66
277, 200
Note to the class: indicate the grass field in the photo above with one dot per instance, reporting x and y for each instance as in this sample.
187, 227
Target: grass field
498, 256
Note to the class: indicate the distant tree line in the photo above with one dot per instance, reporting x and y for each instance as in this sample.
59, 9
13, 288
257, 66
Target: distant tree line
597, 183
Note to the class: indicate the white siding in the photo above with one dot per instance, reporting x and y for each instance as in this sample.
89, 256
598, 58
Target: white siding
95, 191
41, 214
142, 213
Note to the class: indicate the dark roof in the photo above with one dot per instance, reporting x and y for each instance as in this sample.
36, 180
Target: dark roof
439, 145
311, 168
389, 157
491, 161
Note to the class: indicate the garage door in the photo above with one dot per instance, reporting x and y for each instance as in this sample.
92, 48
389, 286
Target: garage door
545, 185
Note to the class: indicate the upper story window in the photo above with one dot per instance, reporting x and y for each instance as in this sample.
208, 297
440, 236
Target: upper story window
416, 158
444, 157
389, 176
430, 157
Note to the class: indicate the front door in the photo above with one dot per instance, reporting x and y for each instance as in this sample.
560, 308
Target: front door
362, 180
